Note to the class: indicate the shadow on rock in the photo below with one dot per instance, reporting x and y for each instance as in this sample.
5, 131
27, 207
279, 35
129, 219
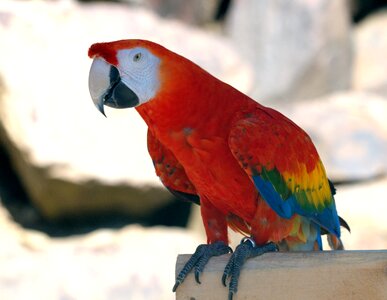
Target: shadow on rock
16, 201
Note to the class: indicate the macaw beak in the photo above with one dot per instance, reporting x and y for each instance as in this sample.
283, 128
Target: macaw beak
106, 87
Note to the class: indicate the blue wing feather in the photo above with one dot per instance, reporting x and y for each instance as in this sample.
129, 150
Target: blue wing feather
286, 208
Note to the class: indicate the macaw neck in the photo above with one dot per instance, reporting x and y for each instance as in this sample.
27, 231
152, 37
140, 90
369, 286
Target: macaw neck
193, 107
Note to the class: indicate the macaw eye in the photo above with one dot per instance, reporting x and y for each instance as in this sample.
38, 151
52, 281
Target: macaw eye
137, 57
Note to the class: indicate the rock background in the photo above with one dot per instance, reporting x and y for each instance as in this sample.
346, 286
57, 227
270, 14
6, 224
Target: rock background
370, 65
80, 206
129, 263
198, 12
299, 49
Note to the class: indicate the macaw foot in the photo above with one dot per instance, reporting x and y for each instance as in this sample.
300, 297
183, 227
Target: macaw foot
199, 259
246, 249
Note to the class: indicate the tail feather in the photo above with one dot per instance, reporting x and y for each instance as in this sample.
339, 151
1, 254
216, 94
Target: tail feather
344, 224
334, 242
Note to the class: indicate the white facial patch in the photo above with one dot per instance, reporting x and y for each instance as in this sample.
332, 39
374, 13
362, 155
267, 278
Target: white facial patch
139, 70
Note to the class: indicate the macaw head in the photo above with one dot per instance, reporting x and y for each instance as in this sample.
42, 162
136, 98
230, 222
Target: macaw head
124, 73
128, 73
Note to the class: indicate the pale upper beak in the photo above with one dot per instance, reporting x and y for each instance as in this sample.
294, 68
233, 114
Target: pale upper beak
106, 87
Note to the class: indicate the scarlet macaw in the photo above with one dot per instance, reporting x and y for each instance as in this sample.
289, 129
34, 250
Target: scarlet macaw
250, 167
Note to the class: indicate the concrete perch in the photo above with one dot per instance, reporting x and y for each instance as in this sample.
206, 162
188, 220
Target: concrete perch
297, 275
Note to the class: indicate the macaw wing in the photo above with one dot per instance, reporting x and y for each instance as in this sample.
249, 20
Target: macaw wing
170, 171
284, 165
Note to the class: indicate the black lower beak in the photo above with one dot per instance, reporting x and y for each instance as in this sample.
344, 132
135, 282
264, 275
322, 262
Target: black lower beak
119, 95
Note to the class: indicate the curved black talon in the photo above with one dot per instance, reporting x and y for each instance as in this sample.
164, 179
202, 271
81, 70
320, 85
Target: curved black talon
246, 249
199, 259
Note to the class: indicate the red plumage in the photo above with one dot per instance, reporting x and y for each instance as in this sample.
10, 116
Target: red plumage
252, 168
208, 139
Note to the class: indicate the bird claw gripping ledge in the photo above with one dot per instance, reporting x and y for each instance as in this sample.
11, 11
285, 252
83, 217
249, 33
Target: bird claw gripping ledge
199, 259
246, 249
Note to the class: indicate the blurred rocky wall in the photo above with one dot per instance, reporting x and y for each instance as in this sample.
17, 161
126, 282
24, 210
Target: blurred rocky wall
299, 49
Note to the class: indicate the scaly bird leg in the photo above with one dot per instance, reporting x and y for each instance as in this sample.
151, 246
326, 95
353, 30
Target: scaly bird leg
246, 249
199, 259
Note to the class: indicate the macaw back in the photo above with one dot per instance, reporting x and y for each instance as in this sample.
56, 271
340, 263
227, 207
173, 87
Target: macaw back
256, 168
